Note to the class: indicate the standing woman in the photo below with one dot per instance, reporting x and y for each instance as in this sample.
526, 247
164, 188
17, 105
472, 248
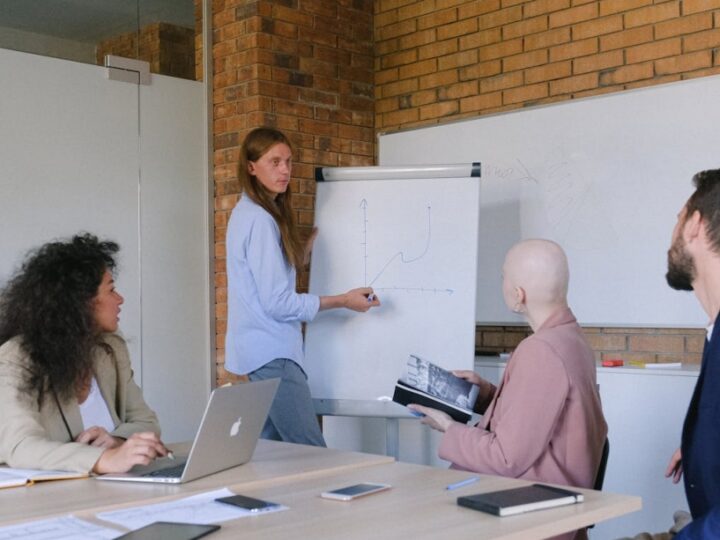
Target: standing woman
264, 251
67, 394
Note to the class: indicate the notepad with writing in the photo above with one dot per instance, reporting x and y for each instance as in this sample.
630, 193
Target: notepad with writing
513, 501
10, 477
425, 383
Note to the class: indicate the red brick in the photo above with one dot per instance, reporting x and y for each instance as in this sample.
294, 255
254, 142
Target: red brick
459, 90
696, 6
556, 36
459, 28
574, 49
478, 7
442, 78
573, 15
481, 102
438, 110
399, 59
440, 48
652, 14
548, 72
626, 74
479, 39
606, 342
684, 25
525, 27
626, 38
574, 84
685, 62
418, 68
597, 27
540, 7
499, 50
500, 18
525, 94
652, 51
457, 60
701, 40
481, 69
416, 39
501, 82
416, 9
656, 343
608, 7
397, 29
525, 60
437, 19
598, 62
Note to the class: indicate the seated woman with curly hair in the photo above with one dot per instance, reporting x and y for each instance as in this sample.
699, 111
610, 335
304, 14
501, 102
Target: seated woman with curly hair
67, 394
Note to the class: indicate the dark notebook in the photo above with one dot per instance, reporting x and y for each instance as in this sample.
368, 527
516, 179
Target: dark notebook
426, 384
509, 502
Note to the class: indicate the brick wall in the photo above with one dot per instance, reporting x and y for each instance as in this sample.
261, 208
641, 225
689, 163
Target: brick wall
308, 67
305, 67
169, 49
449, 59
646, 345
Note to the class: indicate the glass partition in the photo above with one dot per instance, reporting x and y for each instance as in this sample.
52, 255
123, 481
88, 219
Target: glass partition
163, 33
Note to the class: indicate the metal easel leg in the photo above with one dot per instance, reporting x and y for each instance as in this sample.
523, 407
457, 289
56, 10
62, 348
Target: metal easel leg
392, 437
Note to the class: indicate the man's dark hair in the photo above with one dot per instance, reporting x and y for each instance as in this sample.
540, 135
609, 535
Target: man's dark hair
48, 305
706, 200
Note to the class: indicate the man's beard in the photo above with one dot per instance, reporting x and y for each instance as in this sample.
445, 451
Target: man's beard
681, 267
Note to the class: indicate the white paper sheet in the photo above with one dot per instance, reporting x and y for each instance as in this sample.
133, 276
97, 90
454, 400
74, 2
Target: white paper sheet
61, 528
200, 509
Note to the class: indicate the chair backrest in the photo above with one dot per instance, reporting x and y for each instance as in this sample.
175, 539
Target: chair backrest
600, 476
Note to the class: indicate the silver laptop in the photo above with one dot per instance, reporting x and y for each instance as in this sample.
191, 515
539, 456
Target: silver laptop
227, 436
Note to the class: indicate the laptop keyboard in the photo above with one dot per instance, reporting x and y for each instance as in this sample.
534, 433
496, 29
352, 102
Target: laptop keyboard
170, 472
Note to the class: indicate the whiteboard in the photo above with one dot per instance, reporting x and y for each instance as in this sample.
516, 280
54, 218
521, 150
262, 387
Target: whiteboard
604, 176
415, 243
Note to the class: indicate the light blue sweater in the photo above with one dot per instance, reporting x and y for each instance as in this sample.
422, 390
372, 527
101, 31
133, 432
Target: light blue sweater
264, 310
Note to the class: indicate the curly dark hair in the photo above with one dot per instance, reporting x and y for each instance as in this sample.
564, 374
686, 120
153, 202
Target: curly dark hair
48, 304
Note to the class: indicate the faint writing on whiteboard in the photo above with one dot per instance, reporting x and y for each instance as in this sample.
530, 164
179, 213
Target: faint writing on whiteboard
558, 199
401, 257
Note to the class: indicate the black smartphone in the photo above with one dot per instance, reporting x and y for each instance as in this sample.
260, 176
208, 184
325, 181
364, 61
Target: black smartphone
166, 530
248, 503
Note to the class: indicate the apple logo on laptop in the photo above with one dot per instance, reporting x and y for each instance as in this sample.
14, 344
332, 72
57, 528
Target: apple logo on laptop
235, 428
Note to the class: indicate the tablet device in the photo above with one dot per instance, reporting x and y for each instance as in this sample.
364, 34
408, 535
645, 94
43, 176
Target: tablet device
166, 530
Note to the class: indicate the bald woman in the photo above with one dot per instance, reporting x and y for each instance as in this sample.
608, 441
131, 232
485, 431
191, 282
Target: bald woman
544, 422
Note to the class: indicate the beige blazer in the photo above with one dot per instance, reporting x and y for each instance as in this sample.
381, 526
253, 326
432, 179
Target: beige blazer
39, 439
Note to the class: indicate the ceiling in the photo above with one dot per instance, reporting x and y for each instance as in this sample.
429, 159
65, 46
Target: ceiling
92, 20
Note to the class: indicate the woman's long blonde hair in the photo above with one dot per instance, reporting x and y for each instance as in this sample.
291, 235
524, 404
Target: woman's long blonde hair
255, 145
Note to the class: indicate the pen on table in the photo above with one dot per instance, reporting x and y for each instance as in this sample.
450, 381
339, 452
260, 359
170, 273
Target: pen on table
462, 483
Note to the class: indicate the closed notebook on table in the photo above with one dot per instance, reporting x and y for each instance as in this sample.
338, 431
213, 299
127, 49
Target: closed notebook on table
513, 501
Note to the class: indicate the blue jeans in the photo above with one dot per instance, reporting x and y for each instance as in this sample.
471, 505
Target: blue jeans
292, 416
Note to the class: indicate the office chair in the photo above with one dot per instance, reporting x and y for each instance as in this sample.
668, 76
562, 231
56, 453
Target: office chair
600, 476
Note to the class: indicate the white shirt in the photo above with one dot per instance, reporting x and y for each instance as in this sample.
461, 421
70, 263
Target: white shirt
94, 411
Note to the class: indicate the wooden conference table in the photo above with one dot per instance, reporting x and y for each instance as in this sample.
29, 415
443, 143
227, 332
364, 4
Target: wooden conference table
418, 505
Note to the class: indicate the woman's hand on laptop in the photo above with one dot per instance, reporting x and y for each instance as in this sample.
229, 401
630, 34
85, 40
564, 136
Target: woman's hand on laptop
98, 436
138, 449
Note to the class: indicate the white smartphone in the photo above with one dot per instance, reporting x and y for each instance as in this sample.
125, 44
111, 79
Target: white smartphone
353, 492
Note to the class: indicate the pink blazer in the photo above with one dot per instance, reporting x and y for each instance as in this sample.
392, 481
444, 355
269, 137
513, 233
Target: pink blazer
545, 421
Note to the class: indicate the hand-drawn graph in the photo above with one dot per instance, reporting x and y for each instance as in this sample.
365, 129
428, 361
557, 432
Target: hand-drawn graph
409, 240
400, 257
